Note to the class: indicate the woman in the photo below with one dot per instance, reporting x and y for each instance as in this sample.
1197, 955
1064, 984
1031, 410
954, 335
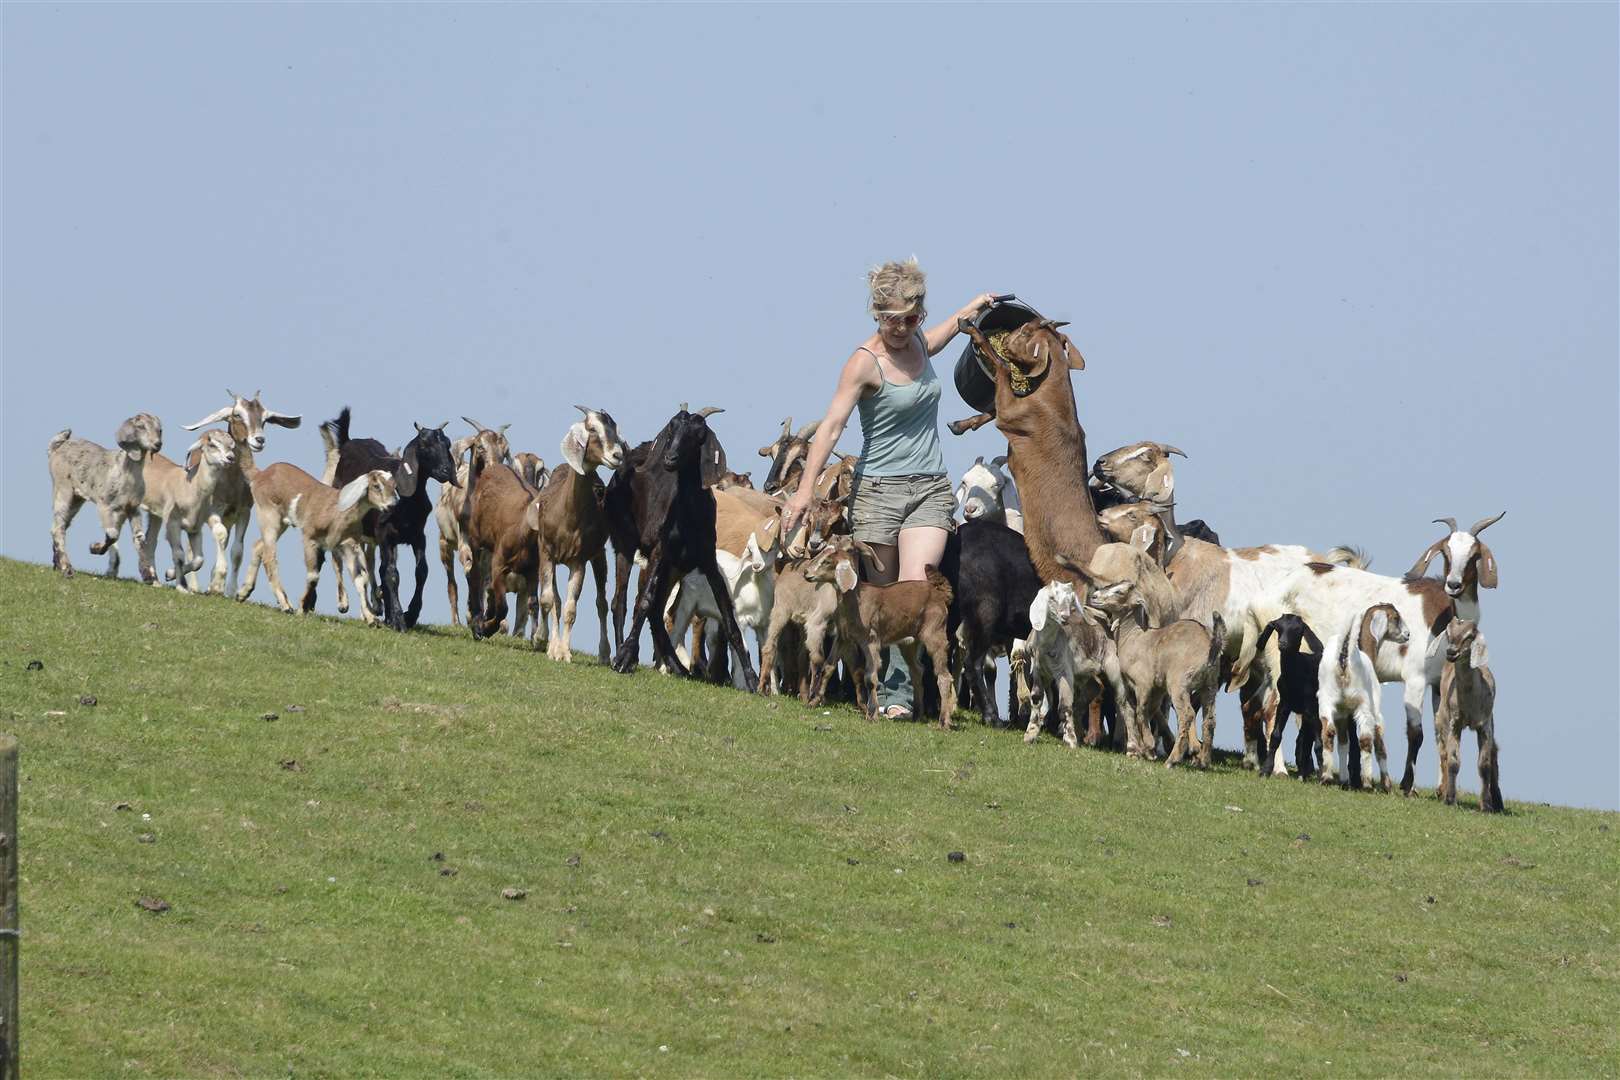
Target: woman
903, 504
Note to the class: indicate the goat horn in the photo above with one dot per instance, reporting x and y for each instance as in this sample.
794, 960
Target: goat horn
998, 462
682, 408
1167, 448
1449, 523
1484, 523
231, 393
256, 394
787, 427
476, 425
419, 428
444, 425
1059, 324
808, 431
583, 409
709, 410
979, 460
502, 429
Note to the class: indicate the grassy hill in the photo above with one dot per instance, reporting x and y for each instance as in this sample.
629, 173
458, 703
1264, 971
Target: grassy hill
719, 884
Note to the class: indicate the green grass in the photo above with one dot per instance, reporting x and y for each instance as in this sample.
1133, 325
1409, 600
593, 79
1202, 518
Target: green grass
718, 884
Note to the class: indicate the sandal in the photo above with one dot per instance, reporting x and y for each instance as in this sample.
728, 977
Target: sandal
896, 712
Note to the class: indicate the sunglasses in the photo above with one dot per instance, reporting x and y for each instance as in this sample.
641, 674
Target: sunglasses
894, 318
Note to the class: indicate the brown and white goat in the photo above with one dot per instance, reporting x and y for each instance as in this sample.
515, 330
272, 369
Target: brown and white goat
1046, 444
572, 529
330, 520
1468, 701
233, 497
1348, 689
1469, 564
181, 500
824, 609
83, 471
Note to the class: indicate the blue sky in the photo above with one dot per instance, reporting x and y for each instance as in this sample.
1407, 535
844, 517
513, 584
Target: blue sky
1360, 262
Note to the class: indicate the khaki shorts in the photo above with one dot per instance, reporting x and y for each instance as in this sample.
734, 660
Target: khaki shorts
883, 505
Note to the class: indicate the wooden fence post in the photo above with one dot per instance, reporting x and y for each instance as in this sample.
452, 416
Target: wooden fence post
10, 943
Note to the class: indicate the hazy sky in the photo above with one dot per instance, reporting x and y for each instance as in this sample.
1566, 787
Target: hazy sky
1360, 262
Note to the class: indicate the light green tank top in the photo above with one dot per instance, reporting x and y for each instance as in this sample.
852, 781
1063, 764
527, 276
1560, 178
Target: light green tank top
900, 426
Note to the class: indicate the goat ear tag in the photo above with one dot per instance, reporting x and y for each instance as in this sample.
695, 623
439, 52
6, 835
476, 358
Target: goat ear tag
407, 466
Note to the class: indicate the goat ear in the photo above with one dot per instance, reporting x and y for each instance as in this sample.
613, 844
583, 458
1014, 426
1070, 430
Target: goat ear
1037, 611
282, 420
1161, 483
714, 460
406, 479
1478, 655
126, 433
845, 578
212, 417
1486, 566
871, 554
1378, 625
1421, 567
573, 447
353, 492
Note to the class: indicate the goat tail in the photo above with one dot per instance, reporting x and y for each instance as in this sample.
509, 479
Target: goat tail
937, 580
58, 439
1353, 557
334, 433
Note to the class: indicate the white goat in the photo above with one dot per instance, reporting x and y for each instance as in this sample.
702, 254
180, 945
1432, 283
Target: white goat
1347, 689
1069, 651
751, 581
181, 500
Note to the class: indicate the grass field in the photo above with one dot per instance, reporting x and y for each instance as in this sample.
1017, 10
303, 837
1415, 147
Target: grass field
719, 884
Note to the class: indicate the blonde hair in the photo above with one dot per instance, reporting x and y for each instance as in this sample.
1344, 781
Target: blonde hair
896, 287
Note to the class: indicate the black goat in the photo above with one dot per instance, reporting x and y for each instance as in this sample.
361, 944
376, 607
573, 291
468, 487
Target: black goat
1296, 688
659, 504
427, 456
994, 582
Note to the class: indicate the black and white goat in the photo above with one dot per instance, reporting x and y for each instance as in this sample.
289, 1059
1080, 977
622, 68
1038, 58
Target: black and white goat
426, 457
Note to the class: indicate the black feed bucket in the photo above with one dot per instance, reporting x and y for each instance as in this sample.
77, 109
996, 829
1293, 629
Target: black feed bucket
975, 378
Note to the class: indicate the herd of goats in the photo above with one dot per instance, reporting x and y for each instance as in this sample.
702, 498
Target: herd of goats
1105, 607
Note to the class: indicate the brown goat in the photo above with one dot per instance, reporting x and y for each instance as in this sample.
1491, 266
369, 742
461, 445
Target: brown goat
1046, 444
910, 614
572, 528
451, 509
1468, 700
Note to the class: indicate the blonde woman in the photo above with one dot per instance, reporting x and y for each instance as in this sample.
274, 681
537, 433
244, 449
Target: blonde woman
903, 503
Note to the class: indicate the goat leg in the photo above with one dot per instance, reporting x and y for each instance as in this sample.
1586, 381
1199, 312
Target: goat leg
972, 423
414, 612
599, 571
629, 654
622, 564
388, 560
663, 647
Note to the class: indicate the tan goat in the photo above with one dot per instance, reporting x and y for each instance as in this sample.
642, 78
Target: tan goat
451, 507
1468, 701
1179, 661
329, 519
181, 500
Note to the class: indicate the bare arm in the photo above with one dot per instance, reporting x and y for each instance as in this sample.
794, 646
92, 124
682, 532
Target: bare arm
859, 375
939, 335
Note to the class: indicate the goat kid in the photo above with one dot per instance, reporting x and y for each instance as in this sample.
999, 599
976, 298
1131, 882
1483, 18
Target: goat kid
751, 580
1297, 692
1069, 651
1468, 701
180, 501
330, 520
1347, 689
82, 471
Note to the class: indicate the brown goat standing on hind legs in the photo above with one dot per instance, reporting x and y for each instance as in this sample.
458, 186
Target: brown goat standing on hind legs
1046, 444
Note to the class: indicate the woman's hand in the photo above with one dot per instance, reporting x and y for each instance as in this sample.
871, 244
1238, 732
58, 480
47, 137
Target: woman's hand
978, 304
796, 507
